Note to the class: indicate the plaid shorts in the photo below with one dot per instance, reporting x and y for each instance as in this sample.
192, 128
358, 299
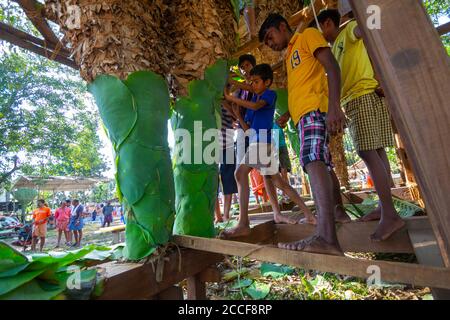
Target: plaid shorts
314, 139
369, 123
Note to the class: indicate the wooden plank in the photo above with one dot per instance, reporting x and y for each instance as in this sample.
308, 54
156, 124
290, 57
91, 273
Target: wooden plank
133, 281
260, 234
196, 289
353, 237
389, 271
210, 274
415, 73
427, 253
171, 293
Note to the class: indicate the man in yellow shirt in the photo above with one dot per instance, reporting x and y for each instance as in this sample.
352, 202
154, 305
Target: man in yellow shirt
314, 104
369, 123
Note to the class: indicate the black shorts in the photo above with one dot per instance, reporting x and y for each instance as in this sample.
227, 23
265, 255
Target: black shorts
226, 171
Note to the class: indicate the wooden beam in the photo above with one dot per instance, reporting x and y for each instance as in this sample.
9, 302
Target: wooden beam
397, 272
427, 253
25, 43
355, 236
196, 289
133, 281
443, 29
415, 72
33, 10
27, 37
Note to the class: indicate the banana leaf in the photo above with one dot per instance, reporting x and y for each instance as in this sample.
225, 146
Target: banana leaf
196, 181
135, 112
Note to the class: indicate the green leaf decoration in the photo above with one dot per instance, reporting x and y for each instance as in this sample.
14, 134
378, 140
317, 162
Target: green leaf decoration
258, 290
11, 261
44, 275
196, 183
135, 112
291, 131
34, 290
116, 107
243, 283
8, 284
275, 270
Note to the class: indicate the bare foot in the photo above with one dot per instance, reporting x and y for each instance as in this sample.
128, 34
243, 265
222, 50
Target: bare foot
340, 215
371, 216
313, 244
238, 231
280, 218
387, 228
308, 220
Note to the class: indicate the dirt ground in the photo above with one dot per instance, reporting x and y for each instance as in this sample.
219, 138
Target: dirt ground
89, 237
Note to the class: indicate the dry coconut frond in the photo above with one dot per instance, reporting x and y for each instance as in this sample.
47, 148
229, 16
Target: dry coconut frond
113, 37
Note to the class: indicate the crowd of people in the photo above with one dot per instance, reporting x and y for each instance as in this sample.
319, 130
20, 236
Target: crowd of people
69, 219
331, 85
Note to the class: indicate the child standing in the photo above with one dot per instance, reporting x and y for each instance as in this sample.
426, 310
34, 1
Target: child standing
260, 154
314, 95
369, 121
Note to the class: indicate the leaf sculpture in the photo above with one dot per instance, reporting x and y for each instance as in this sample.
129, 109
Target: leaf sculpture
135, 112
196, 183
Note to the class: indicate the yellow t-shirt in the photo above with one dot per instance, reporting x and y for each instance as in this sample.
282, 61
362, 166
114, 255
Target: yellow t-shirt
357, 74
307, 82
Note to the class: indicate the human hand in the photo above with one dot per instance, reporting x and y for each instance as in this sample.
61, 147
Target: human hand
335, 120
283, 120
380, 92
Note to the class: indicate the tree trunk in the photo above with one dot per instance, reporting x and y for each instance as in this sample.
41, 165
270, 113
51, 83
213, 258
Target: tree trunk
127, 39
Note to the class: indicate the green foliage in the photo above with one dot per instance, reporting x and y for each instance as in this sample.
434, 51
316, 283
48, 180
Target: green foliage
258, 290
45, 276
135, 112
196, 184
275, 270
44, 117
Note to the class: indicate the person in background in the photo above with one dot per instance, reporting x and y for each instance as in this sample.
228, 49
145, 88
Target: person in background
76, 222
40, 218
94, 212
244, 92
62, 216
107, 214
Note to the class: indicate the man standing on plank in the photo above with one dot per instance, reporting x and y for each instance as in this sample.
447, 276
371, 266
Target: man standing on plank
314, 85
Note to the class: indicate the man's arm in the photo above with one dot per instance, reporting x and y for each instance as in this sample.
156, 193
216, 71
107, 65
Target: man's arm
246, 104
335, 116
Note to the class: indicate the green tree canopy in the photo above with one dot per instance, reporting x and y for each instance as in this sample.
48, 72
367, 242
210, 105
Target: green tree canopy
46, 117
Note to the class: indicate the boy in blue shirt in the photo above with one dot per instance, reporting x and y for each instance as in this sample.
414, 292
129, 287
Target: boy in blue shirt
260, 154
